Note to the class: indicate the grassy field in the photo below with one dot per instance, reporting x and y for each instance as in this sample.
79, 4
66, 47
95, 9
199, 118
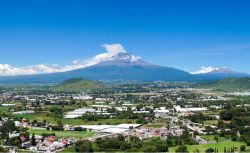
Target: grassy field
78, 85
211, 122
214, 112
219, 145
4, 109
64, 134
211, 138
67, 150
53, 120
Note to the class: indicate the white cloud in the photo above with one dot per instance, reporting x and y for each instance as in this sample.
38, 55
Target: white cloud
111, 50
114, 48
6, 69
206, 70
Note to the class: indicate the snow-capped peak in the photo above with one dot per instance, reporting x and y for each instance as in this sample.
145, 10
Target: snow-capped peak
124, 59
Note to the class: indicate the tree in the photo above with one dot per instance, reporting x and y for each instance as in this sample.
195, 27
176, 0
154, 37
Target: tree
125, 146
120, 137
139, 107
182, 149
84, 146
196, 151
60, 124
58, 112
34, 122
242, 148
7, 127
3, 150
197, 118
134, 139
149, 149
216, 139
210, 150
141, 120
161, 147
33, 140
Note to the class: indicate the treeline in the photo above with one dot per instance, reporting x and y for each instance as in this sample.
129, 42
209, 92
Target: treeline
235, 123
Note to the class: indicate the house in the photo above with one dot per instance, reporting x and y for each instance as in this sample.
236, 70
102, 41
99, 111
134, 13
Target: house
14, 134
161, 112
18, 124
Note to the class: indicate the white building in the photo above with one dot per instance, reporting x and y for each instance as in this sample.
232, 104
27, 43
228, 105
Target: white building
178, 109
83, 97
6, 105
24, 112
110, 129
161, 112
79, 112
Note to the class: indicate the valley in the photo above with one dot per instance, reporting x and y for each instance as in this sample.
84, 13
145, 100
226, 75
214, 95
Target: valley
139, 115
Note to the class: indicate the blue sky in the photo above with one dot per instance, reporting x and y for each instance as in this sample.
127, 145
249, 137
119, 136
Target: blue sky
180, 33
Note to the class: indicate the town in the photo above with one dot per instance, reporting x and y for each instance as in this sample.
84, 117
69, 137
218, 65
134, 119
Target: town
133, 117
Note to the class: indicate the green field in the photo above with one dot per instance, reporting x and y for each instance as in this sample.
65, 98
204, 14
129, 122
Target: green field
69, 149
211, 122
53, 120
4, 109
211, 138
219, 145
78, 84
64, 134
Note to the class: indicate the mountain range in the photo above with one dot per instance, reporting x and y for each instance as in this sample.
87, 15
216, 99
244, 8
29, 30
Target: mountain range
124, 66
227, 84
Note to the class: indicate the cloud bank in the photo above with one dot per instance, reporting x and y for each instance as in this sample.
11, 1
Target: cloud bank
111, 50
204, 70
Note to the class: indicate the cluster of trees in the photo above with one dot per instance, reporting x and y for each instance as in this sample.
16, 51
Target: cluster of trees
83, 146
232, 113
57, 111
119, 144
212, 150
38, 124
142, 118
231, 149
3, 150
9, 127
197, 118
239, 124
182, 149
134, 144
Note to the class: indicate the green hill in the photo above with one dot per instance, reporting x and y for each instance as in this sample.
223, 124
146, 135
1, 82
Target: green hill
78, 84
228, 84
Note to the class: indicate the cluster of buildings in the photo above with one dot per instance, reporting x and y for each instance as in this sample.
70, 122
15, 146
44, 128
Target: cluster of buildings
163, 133
51, 144
103, 109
